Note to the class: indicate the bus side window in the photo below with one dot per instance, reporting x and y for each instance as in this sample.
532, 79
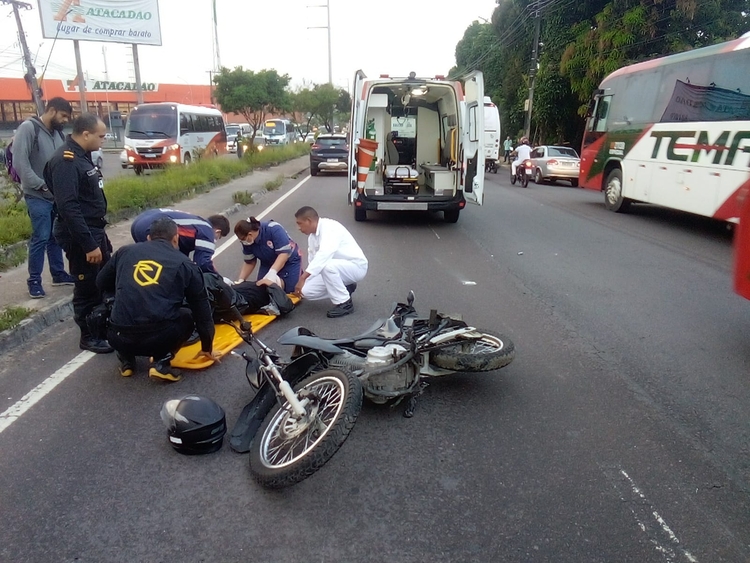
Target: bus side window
602, 111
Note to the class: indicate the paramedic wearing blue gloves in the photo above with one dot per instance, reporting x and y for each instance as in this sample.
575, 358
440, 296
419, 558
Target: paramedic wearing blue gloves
268, 242
197, 235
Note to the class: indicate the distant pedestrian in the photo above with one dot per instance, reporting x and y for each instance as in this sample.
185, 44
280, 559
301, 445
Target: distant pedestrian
507, 147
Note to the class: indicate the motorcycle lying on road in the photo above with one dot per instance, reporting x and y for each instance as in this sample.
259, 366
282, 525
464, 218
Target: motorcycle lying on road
304, 409
523, 173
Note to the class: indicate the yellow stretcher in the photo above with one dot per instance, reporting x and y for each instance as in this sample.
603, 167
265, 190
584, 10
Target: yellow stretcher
225, 340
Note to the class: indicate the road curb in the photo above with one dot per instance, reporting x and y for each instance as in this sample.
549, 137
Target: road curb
62, 309
41, 319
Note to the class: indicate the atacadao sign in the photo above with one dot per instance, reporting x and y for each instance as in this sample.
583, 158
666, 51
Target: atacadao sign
116, 21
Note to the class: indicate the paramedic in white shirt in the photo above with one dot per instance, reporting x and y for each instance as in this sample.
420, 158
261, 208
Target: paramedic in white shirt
523, 152
335, 262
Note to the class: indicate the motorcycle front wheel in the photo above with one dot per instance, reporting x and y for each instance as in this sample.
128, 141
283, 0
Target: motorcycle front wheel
287, 448
490, 352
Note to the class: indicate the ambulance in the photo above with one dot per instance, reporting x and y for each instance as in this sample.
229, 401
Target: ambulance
430, 144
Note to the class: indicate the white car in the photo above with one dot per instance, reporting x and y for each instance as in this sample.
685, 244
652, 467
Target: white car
97, 157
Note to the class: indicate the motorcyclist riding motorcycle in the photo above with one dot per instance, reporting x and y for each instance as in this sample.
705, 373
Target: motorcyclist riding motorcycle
523, 152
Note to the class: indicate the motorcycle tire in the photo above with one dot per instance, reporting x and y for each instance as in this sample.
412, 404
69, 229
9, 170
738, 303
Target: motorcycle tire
493, 351
513, 178
525, 179
285, 452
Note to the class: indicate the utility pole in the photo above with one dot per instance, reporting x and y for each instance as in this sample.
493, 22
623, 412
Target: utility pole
211, 86
533, 71
327, 27
30, 77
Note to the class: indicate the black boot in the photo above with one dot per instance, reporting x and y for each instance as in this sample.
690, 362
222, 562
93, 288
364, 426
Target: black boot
96, 345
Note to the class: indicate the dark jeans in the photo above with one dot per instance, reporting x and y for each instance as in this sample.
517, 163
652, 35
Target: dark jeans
158, 340
86, 296
42, 217
507, 156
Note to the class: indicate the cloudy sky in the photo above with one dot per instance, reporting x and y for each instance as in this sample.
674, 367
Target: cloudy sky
382, 36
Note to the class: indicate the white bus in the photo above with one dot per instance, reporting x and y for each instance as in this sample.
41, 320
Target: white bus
492, 135
279, 132
159, 134
673, 131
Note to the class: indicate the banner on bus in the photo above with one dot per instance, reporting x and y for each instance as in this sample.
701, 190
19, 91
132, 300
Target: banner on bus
115, 21
706, 103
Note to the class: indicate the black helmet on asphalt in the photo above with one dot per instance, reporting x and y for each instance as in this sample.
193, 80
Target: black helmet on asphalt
195, 425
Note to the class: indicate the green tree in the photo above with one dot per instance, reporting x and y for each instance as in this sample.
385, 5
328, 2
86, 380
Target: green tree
254, 95
322, 101
582, 42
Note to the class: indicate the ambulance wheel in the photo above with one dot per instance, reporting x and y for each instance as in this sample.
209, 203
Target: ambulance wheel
360, 214
138, 170
186, 159
494, 168
613, 199
451, 215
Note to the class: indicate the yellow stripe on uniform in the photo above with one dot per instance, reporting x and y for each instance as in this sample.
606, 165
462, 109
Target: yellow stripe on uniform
69, 155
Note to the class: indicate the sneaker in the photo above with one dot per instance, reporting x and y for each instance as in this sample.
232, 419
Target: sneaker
64, 279
36, 291
164, 371
127, 364
351, 288
270, 309
95, 345
340, 310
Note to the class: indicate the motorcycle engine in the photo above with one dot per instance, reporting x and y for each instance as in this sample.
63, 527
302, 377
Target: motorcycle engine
380, 387
384, 386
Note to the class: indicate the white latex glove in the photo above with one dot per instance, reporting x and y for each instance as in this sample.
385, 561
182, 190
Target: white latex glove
273, 277
227, 281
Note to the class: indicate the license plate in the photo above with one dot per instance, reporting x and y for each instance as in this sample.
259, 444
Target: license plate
528, 171
333, 160
149, 156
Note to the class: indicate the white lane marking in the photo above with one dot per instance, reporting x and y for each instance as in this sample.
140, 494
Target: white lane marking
667, 551
45, 387
433, 231
233, 238
37, 393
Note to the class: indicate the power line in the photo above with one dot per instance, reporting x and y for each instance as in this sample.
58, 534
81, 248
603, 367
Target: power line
511, 32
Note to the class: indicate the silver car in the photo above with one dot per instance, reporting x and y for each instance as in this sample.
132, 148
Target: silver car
553, 163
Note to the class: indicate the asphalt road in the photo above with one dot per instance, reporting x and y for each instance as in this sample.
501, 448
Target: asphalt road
618, 434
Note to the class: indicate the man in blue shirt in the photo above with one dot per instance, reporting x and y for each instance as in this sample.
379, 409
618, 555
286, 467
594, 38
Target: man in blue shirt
197, 235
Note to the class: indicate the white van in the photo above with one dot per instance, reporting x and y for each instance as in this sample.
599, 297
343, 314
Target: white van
492, 135
430, 134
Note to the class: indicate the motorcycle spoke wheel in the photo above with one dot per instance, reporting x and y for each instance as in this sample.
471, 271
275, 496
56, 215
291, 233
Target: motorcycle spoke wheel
288, 448
489, 352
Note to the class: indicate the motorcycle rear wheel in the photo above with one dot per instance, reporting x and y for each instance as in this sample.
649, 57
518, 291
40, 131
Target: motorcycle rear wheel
492, 351
287, 450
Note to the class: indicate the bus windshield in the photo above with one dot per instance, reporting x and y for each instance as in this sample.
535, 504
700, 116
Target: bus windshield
274, 128
158, 122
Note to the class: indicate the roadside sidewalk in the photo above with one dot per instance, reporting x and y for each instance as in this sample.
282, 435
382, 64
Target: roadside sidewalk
56, 306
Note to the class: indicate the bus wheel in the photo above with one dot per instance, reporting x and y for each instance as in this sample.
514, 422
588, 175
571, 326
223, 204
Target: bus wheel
613, 199
186, 159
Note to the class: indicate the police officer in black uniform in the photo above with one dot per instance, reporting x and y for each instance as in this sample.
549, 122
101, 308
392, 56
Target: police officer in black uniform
77, 187
151, 280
